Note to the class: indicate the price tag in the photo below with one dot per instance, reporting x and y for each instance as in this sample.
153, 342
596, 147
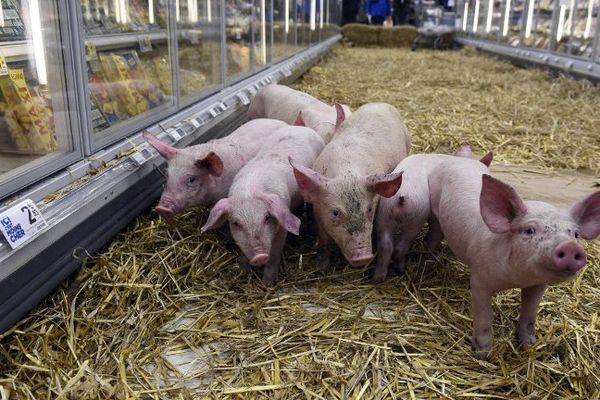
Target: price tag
213, 112
21, 222
90, 51
195, 123
175, 135
145, 44
3, 66
142, 155
243, 98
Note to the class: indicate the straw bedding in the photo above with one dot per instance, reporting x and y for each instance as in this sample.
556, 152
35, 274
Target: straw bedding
164, 313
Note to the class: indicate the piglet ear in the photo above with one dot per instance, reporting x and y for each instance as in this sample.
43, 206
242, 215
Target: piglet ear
385, 185
212, 163
299, 120
587, 214
487, 159
309, 182
340, 115
282, 214
464, 151
163, 149
217, 215
499, 205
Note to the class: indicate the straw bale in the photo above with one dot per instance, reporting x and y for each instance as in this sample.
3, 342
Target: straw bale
164, 312
364, 35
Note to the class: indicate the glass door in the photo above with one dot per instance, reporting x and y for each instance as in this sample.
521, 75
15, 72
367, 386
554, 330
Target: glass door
36, 133
128, 65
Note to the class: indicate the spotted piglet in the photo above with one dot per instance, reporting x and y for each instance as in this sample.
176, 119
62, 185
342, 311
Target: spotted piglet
399, 218
507, 242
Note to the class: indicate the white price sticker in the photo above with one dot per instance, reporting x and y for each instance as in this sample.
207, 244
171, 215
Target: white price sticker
145, 44
21, 222
195, 123
175, 135
213, 112
243, 99
3, 66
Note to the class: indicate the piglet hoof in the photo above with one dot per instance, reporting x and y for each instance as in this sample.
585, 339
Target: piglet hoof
245, 266
526, 336
481, 351
269, 280
379, 276
398, 266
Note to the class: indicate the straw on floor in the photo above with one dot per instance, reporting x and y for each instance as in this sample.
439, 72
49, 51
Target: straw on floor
164, 313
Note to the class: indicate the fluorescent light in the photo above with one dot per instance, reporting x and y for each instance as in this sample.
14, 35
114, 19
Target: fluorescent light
488, 25
465, 15
561, 22
123, 11
327, 11
571, 12
192, 10
37, 41
117, 11
529, 18
476, 16
506, 18
208, 11
321, 14
287, 16
313, 9
588, 22
87, 9
177, 16
151, 11
1, 14
263, 31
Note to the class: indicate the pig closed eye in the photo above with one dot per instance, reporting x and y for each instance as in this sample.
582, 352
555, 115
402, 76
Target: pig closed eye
236, 224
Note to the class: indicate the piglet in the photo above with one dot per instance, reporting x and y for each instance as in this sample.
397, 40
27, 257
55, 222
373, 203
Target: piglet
350, 175
507, 242
299, 108
399, 218
261, 196
201, 175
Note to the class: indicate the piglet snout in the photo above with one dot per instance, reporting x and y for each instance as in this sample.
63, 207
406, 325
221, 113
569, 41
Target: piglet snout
569, 256
259, 259
361, 261
165, 212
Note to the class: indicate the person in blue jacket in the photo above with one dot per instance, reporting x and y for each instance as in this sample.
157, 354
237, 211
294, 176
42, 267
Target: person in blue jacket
378, 11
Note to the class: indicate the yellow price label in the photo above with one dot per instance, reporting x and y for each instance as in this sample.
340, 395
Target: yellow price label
3, 66
90, 51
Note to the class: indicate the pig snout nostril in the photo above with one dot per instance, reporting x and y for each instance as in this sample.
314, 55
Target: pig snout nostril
561, 254
578, 256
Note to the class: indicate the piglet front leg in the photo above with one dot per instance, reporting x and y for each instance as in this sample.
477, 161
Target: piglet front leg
483, 318
385, 248
271, 271
530, 299
325, 249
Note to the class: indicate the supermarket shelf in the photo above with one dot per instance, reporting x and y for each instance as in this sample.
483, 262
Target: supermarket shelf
93, 208
17, 51
105, 42
531, 56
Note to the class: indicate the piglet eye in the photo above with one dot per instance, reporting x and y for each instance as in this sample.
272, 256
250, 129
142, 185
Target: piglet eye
236, 224
267, 218
577, 235
529, 230
336, 213
370, 209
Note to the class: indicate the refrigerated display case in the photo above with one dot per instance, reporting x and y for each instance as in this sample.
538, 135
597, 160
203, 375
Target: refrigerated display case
127, 65
36, 130
559, 34
80, 80
199, 49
